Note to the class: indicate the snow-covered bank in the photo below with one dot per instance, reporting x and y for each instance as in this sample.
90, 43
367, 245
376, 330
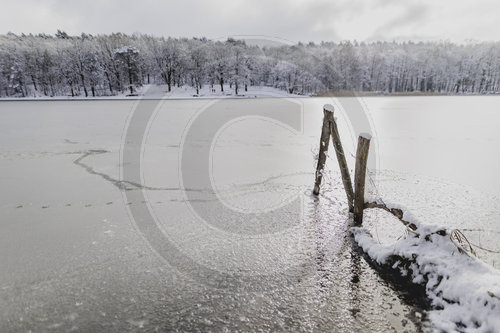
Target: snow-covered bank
151, 91
464, 292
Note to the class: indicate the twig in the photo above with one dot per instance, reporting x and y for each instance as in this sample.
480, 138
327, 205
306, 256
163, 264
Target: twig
394, 211
461, 242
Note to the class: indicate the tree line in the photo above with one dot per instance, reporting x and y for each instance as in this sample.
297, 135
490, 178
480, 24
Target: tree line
103, 65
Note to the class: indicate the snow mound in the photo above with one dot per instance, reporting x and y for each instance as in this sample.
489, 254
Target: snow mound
464, 292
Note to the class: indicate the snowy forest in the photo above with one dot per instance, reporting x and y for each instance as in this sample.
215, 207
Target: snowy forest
107, 65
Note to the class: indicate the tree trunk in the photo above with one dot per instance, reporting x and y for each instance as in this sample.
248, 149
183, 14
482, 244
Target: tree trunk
109, 83
130, 81
169, 81
21, 84
34, 82
52, 90
83, 85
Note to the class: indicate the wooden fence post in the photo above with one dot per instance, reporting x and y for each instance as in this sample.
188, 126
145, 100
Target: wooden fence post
323, 146
359, 176
344, 170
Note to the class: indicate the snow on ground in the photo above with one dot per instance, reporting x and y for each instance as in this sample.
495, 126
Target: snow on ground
184, 92
464, 292
161, 91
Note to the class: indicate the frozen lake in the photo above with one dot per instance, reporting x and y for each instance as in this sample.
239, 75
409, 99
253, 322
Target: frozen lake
197, 214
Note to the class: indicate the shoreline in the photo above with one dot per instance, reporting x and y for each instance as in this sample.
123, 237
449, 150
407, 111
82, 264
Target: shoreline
242, 97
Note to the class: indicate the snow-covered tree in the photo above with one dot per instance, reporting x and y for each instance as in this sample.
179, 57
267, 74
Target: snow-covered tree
128, 59
89, 65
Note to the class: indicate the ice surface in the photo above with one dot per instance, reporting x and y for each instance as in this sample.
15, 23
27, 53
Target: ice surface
72, 257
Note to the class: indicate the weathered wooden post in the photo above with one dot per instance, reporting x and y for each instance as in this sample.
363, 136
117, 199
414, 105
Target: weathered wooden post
330, 129
344, 170
359, 176
323, 145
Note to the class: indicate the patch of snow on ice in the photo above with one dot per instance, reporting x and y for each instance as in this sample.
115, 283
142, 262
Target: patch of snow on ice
328, 107
367, 136
464, 292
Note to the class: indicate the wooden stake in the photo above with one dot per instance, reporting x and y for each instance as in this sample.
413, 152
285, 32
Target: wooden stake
323, 146
344, 170
359, 176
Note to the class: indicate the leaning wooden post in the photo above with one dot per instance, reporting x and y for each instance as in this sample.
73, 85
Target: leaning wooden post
344, 170
323, 146
359, 176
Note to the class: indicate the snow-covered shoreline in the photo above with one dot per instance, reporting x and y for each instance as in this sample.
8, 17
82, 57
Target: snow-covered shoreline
161, 92
464, 292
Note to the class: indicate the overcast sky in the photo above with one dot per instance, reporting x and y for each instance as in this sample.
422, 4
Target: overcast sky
294, 20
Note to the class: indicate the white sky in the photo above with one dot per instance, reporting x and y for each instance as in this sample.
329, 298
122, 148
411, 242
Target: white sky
294, 20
